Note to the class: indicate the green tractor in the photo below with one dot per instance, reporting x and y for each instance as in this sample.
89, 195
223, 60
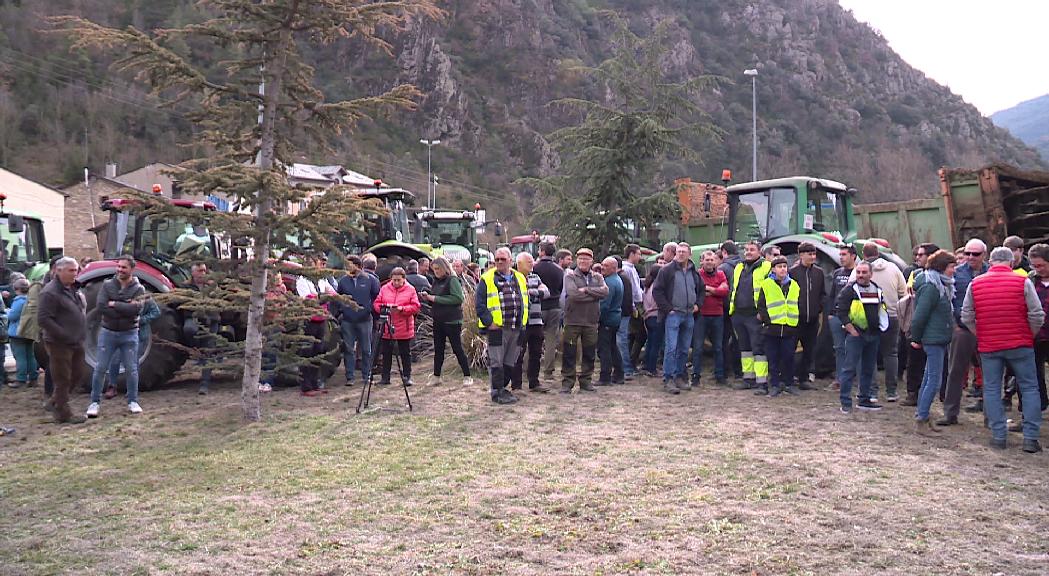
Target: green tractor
388, 236
451, 233
23, 248
787, 212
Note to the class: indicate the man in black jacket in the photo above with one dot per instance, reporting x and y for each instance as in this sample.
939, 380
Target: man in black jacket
553, 277
120, 300
729, 258
62, 329
678, 292
811, 283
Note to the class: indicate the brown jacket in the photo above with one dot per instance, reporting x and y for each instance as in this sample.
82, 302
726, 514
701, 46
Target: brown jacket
583, 308
61, 315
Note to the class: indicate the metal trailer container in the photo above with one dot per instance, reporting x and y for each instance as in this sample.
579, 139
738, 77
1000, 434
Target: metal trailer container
989, 203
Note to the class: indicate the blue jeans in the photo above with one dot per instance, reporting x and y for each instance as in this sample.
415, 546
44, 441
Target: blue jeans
678, 337
861, 355
654, 343
623, 343
837, 333
934, 355
359, 333
124, 345
25, 359
1021, 362
712, 327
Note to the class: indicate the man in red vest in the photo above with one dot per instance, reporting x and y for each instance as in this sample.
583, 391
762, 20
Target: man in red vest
1003, 310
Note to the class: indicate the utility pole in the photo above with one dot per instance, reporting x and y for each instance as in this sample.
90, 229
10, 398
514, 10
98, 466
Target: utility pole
753, 73
429, 175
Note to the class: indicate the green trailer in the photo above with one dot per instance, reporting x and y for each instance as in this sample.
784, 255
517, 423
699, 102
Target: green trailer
989, 203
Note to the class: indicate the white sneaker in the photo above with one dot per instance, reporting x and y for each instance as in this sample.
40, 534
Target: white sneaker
134, 408
434, 381
92, 410
468, 381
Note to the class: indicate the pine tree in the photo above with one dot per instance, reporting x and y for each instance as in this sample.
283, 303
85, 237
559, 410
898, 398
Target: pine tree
612, 159
250, 119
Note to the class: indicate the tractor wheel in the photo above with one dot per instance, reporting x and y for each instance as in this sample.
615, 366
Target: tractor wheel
157, 363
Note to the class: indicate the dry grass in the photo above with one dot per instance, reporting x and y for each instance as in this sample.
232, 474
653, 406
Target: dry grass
627, 480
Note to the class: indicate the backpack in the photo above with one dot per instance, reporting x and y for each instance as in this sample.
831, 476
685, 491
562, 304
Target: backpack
905, 312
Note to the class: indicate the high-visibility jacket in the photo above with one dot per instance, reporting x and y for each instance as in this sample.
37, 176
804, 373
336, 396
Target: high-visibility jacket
493, 303
760, 273
781, 310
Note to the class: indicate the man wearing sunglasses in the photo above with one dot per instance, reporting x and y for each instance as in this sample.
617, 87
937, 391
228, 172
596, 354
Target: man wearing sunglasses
963, 342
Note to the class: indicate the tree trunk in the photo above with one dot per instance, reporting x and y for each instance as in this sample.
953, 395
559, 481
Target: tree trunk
249, 391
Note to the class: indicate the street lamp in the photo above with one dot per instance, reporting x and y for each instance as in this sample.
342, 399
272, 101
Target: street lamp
753, 73
429, 178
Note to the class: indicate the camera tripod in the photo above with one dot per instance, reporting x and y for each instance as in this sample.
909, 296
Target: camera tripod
384, 324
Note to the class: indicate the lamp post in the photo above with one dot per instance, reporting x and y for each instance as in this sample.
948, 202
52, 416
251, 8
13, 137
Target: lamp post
429, 178
753, 73
434, 192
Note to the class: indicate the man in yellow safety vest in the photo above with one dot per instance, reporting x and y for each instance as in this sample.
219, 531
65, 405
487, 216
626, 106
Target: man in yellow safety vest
778, 312
743, 309
501, 302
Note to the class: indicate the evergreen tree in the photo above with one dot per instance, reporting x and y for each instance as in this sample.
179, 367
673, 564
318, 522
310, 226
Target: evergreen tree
609, 175
249, 118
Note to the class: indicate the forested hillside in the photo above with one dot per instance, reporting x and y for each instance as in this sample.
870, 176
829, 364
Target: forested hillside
833, 99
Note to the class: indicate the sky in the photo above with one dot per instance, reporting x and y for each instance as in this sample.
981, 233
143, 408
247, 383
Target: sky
992, 54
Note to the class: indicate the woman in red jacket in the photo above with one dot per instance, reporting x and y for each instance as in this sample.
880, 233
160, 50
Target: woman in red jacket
398, 301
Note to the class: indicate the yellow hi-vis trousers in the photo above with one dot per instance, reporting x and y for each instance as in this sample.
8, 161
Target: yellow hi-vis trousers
751, 348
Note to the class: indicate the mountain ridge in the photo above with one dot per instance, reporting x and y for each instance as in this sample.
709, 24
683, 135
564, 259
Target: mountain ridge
833, 99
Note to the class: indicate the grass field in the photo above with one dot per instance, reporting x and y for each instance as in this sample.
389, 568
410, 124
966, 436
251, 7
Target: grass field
627, 480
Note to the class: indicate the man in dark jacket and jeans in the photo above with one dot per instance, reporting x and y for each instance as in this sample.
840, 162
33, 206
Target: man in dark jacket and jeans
553, 277
811, 283
63, 328
120, 301
355, 322
861, 310
679, 293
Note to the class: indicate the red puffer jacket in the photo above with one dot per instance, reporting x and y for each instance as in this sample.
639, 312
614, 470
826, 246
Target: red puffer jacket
1001, 310
402, 319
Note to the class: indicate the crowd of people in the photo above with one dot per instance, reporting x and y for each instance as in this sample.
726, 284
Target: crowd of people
975, 312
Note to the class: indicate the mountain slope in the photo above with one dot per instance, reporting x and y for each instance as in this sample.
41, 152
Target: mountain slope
833, 99
1028, 121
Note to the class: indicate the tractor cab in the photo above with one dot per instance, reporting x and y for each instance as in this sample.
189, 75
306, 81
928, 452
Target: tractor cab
392, 226
23, 248
169, 244
450, 233
773, 209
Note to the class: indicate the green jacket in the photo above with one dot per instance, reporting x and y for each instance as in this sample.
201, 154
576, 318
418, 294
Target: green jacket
933, 320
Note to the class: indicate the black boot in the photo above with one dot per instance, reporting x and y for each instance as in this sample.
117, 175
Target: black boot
975, 407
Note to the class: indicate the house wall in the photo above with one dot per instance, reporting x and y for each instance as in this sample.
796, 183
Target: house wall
82, 213
32, 199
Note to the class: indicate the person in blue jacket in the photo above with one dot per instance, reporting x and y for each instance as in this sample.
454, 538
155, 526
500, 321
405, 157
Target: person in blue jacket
27, 369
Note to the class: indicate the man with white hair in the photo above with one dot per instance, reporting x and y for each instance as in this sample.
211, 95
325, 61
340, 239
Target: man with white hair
669, 251
963, 341
502, 311
1003, 310
534, 331
63, 328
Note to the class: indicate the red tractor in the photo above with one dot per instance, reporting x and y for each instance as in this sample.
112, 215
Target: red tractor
162, 246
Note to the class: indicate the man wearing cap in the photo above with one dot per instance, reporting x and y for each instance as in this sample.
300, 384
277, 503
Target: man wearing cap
963, 342
553, 277
581, 296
